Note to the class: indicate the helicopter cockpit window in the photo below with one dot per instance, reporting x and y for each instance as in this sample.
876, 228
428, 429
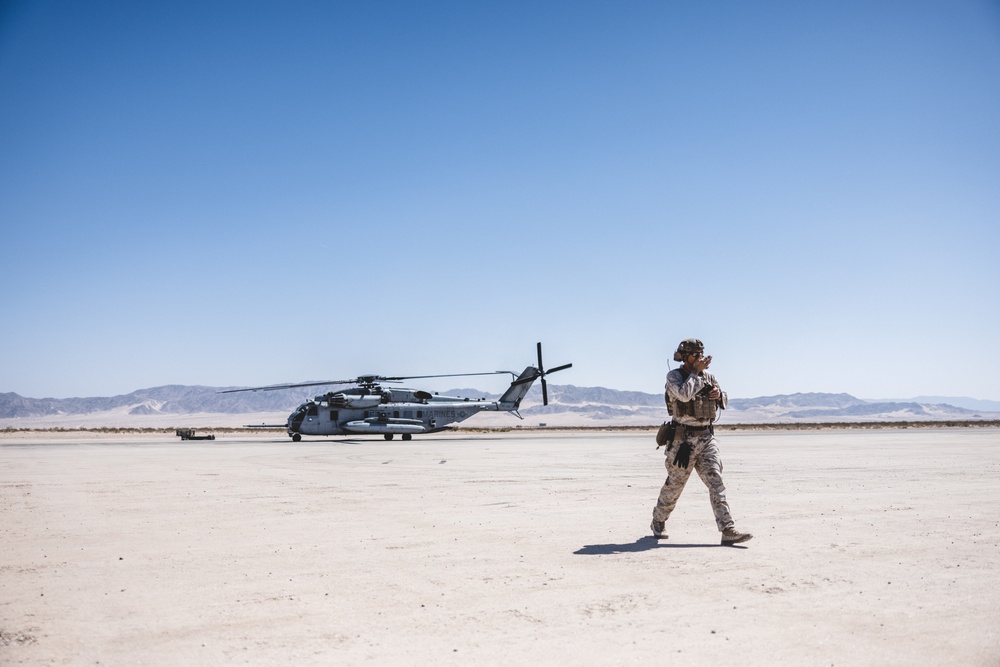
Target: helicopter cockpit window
313, 410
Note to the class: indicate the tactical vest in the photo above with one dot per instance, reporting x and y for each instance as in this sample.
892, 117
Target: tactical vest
701, 407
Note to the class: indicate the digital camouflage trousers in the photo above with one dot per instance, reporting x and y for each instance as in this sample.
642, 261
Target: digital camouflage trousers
706, 460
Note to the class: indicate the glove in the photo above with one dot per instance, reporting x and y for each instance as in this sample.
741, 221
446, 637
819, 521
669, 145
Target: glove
683, 456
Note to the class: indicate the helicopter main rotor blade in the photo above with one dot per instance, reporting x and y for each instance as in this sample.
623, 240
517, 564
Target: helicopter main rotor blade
445, 375
370, 381
276, 387
364, 379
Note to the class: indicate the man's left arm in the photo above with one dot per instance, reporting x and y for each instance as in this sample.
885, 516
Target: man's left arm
718, 394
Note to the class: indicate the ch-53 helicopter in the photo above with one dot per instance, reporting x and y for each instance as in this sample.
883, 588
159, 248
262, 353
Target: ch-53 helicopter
368, 408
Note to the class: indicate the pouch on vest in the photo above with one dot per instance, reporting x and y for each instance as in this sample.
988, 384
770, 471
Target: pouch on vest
700, 407
665, 435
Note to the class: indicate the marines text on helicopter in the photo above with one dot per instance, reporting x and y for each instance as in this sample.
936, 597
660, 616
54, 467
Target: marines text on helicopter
368, 408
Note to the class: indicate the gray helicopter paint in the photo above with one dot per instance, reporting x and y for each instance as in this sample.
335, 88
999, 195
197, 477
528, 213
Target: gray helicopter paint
368, 408
396, 411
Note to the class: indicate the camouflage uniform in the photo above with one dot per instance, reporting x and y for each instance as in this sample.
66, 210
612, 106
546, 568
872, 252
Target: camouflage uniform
696, 429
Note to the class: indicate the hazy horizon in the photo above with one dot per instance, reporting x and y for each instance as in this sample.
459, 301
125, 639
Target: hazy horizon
967, 402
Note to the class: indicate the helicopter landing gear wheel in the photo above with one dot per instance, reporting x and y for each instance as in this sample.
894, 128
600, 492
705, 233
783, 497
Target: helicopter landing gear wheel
407, 436
296, 437
387, 436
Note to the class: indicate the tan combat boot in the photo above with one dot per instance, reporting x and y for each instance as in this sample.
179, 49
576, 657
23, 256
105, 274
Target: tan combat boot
657, 527
731, 536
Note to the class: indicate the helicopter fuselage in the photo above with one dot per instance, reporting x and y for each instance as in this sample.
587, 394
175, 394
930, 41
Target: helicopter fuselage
384, 412
389, 412
369, 409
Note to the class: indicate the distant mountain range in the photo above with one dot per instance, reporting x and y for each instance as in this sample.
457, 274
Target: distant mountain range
169, 399
179, 405
957, 401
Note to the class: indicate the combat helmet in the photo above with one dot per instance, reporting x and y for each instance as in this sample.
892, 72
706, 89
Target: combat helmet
688, 346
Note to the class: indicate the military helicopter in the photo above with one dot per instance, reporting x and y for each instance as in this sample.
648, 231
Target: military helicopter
369, 408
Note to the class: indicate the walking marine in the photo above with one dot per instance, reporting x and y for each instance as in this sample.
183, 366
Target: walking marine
693, 399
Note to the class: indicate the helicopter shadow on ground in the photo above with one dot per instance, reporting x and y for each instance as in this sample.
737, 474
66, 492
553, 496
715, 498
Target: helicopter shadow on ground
317, 441
334, 440
645, 543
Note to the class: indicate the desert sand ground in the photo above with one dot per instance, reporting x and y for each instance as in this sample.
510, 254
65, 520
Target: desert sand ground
870, 548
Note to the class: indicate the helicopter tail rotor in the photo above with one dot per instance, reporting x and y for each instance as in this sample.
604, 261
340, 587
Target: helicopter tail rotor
540, 373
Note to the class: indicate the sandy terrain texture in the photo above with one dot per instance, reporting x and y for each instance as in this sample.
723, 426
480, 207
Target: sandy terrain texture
870, 548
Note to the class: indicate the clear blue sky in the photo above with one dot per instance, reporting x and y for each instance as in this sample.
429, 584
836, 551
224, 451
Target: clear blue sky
233, 193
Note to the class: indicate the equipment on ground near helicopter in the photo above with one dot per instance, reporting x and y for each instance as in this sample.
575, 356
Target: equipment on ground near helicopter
368, 408
188, 434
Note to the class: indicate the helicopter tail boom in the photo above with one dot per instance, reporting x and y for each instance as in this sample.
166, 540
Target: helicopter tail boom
518, 388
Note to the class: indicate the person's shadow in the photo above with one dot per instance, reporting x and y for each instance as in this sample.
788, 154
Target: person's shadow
644, 543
